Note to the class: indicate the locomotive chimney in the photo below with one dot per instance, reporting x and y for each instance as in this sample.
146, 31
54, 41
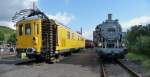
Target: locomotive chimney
109, 16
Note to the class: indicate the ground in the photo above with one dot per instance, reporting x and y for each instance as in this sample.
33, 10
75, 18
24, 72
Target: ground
140, 59
82, 64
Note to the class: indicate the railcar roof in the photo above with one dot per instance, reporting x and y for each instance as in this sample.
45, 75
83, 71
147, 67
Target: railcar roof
60, 24
56, 22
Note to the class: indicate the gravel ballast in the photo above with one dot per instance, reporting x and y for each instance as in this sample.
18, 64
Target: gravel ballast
82, 64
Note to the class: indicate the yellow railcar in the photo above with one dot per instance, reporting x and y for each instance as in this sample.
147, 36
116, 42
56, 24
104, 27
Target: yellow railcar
41, 38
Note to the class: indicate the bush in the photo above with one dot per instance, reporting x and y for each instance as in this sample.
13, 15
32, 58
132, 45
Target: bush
143, 45
2, 37
12, 39
138, 39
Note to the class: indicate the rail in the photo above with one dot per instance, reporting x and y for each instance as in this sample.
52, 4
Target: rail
128, 69
103, 72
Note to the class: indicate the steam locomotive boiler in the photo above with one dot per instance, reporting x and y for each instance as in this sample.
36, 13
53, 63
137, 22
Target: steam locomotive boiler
108, 39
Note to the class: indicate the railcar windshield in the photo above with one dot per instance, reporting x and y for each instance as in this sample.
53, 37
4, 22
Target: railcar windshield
27, 29
20, 29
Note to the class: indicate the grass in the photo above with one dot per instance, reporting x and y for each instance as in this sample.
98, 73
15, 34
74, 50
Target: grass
143, 60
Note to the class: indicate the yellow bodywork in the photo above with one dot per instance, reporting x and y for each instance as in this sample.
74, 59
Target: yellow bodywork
66, 38
26, 41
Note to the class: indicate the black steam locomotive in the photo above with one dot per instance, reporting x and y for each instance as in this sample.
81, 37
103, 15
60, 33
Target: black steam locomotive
108, 39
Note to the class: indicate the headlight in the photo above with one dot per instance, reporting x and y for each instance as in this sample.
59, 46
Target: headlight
33, 49
35, 40
100, 44
30, 50
56, 52
123, 45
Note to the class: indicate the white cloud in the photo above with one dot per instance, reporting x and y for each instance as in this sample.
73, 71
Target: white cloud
88, 34
8, 24
136, 21
64, 17
8, 11
10, 7
125, 25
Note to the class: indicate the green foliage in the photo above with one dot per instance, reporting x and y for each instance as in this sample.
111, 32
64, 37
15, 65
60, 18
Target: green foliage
12, 39
141, 59
2, 37
6, 32
138, 43
143, 44
138, 39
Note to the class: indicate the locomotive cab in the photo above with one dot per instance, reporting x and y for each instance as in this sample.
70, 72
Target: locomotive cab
28, 39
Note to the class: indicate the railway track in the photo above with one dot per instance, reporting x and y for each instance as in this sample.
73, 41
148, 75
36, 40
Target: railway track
104, 73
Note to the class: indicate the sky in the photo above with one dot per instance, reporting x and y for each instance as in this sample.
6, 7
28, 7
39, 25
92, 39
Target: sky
82, 13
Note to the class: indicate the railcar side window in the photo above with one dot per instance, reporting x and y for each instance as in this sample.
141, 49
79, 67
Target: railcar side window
27, 29
20, 30
68, 34
37, 28
78, 38
72, 35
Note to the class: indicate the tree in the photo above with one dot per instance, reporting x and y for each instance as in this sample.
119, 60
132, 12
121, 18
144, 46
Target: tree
138, 39
2, 37
143, 44
12, 39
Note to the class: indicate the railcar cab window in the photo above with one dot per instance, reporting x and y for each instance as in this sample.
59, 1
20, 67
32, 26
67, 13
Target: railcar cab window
36, 31
27, 29
37, 28
20, 29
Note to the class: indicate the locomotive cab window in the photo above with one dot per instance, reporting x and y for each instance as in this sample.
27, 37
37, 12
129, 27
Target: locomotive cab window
27, 29
111, 30
20, 29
